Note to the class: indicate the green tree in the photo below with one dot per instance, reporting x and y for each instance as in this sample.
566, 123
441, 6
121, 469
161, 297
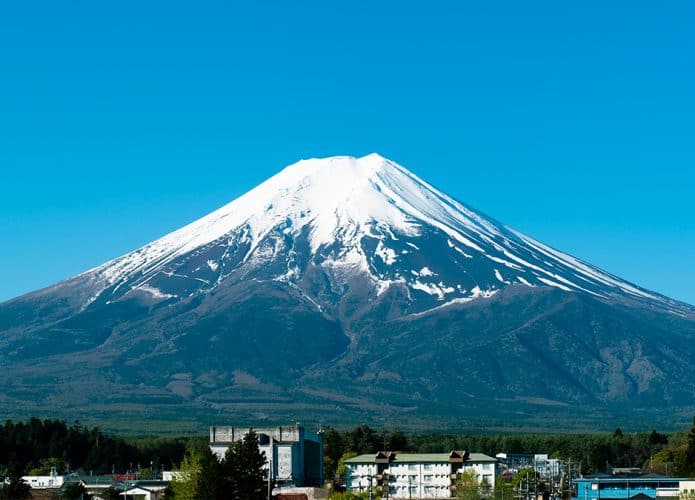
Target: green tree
74, 491
485, 488
467, 486
503, 488
346, 495
332, 451
186, 483
245, 469
398, 441
110, 494
362, 439
15, 488
212, 484
690, 451
342, 466
200, 477
46, 464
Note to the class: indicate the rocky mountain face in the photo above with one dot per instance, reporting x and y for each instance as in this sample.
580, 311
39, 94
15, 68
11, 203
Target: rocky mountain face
347, 289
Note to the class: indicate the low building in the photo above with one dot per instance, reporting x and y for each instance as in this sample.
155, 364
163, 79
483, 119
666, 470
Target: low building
546, 467
94, 485
172, 475
417, 475
514, 462
49, 481
296, 493
144, 490
44, 482
293, 454
640, 487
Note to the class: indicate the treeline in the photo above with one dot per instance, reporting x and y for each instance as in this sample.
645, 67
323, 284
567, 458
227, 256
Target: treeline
673, 453
36, 446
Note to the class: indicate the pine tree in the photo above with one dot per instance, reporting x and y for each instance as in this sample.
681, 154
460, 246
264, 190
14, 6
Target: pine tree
15, 488
244, 469
690, 450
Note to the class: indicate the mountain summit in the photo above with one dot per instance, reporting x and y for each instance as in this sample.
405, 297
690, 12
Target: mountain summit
347, 285
366, 217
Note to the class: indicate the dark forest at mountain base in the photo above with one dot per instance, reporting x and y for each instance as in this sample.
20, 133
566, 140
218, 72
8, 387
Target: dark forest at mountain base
34, 447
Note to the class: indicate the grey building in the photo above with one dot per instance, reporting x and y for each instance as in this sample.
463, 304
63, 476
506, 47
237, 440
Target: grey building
294, 454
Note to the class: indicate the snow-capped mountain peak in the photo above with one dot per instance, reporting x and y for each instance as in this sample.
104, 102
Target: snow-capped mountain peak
353, 217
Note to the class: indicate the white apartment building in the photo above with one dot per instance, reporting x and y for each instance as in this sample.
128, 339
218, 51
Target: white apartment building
686, 487
417, 475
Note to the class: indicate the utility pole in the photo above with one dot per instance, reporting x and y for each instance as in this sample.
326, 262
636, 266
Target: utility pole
270, 468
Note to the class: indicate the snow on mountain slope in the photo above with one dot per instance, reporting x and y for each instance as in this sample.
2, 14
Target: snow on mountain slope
357, 216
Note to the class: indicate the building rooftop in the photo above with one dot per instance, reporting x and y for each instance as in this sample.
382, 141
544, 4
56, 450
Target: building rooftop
603, 478
96, 480
419, 458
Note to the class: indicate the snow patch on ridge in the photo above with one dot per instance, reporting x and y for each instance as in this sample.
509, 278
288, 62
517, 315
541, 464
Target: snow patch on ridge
385, 253
555, 284
499, 277
154, 292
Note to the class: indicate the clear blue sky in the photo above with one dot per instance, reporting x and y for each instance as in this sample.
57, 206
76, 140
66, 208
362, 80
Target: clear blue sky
571, 121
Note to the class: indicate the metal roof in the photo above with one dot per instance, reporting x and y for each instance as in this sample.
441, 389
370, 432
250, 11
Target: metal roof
419, 458
633, 479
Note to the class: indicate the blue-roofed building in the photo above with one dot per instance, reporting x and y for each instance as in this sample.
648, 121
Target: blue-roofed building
644, 487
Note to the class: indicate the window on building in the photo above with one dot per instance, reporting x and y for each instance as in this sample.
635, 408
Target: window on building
412, 466
427, 467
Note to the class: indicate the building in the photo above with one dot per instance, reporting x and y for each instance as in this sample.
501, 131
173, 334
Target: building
417, 475
686, 487
639, 487
144, 490
45, 482
95, 485
51, 481
514, 462
546, 467
172, 475
305, 493
294, 454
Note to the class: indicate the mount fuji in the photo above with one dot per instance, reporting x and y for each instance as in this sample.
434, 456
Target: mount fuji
349, 289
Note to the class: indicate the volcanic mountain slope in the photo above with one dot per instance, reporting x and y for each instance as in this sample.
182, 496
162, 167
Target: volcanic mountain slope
350, 287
